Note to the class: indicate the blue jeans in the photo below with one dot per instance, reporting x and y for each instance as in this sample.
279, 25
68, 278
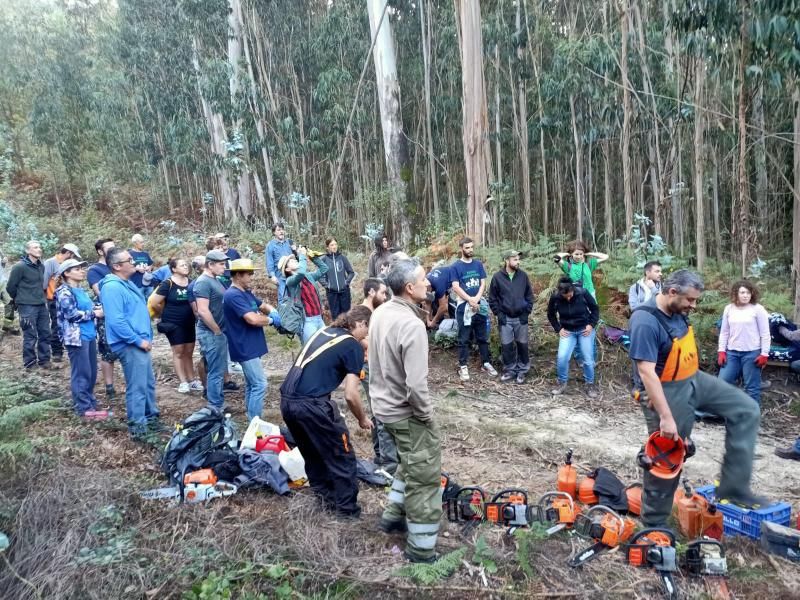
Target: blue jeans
566, 346
740, 364
255, 386
83, 375
214, 349
281, 288
311, 326
140, 388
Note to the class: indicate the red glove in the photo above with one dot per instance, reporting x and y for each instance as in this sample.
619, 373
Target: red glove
722, 358
761, 360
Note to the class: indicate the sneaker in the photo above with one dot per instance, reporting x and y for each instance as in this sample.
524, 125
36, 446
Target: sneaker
230, 386
506, 377
96, 415
463, 373
234, 367
562, 387
521, 378
387, 526
489, 369
788, 453
592, 391
196, 386
184, 388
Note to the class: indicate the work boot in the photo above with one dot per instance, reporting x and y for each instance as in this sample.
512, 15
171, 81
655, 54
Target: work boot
788, 453
415, 558
746, 499
562, 387
592, 391
506, 377
387, 526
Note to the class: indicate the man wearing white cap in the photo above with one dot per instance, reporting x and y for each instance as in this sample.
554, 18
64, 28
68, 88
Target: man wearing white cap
49, 285
142, 262
223, 240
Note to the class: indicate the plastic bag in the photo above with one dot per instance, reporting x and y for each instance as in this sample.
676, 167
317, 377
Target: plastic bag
258, 428
294, 464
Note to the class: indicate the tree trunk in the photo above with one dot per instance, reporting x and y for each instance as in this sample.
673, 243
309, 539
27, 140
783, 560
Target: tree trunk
715, 192
579, 191
699, 132
522, 93
743, 220
796, 204
760, 159
607, 214
395, 147
425, 34
475, 122
242, 177
627, 110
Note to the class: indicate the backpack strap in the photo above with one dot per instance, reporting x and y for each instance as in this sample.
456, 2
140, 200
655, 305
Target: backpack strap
662, 319
302, 361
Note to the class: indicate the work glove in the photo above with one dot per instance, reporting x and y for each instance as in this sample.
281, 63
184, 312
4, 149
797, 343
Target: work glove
761, 360
722, 358
275, 319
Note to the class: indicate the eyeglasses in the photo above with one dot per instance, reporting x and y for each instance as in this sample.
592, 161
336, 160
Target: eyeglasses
122, 262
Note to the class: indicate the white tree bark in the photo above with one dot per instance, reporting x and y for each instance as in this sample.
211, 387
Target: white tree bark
796, 208
395, 147
699, 158
242, 183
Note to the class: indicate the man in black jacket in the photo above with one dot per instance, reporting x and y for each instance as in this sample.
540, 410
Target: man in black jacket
25, 286
511, 300
574, 314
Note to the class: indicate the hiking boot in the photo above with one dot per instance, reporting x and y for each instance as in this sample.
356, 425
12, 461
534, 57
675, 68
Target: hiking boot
520, 378
184, 388
506, 377
230, 386
463, 373
562, 387
489, 369
387, 526
592, 391
196, 386
788, 453
416, 558
746, 499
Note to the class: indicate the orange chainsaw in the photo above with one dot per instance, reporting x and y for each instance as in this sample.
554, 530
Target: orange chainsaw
655, 547
509, 508
606, 527
558, 510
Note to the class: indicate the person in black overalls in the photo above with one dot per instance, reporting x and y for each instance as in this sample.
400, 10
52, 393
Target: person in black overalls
332, 355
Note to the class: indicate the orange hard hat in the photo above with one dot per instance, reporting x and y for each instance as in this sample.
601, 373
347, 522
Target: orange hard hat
662, 456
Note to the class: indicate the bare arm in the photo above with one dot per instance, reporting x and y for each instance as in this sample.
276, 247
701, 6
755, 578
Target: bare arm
657, 399
598, 255
256, 319
204, 314
352, 395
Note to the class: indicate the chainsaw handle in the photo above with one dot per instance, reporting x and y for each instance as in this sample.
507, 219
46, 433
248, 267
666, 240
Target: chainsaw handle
643, 533
498, 497
550, 495
706, 541
472, 489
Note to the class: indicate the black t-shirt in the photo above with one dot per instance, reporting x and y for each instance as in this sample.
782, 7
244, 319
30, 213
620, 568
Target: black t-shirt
651, 341
326, 372
176, 302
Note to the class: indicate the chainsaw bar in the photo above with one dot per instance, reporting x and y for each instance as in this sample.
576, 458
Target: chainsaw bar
161, 493
591, 552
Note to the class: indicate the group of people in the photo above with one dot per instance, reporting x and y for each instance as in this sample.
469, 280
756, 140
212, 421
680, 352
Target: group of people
381, 345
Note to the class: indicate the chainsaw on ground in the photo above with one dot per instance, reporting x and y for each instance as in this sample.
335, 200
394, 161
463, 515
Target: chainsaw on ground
655, 548
509, 508
606, 527
198, 486
558, 510
706, 558
466, 505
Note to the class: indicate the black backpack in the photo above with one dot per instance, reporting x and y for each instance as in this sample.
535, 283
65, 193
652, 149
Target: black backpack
207, 436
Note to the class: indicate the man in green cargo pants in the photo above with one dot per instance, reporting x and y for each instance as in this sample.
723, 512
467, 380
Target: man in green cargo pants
398, 381
665, 353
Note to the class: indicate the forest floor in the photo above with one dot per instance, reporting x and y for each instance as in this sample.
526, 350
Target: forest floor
80, 530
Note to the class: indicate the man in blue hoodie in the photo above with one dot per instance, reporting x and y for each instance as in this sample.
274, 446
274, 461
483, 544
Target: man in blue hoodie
130, 336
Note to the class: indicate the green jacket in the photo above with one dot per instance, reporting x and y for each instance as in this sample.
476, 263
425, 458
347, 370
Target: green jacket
25, 282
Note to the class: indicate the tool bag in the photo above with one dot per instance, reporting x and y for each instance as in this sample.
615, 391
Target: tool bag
207, 436
292, 314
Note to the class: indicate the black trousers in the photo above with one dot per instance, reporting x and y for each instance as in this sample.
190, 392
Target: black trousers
324, 441
338, 302
55, 342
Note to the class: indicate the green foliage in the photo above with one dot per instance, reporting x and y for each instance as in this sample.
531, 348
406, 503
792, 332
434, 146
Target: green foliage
484, 556
114, 543
527, 539
429, 574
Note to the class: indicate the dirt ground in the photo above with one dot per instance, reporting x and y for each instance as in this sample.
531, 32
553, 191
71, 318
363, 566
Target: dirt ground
494, 435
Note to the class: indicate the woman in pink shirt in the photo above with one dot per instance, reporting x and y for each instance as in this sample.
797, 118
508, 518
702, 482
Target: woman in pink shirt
744, 339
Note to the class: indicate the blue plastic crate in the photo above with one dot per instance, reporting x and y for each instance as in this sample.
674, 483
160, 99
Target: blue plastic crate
742, 521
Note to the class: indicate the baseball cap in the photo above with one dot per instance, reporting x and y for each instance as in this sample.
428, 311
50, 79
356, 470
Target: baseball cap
220, 235
70, 263
74, 249
216, 256
242, 264
510, 254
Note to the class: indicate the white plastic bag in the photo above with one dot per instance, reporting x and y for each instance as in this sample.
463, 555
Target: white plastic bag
294, 464
258, 428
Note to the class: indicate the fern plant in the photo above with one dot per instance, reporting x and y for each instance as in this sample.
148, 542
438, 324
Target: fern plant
425, 574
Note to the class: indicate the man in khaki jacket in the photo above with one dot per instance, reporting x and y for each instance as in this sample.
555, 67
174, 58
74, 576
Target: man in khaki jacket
398, 380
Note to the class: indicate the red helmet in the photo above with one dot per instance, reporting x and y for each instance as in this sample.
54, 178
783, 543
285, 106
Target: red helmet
662, 456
